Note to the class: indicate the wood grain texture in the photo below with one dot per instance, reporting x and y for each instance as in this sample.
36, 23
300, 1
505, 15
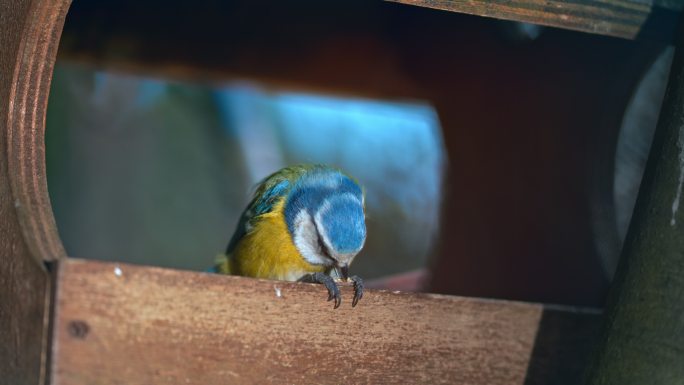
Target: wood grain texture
29, 33
25, 119
123, 324
629, 19
643, 337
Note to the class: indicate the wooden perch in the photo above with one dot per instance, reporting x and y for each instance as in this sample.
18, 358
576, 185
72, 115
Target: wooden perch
628, 19
129, 324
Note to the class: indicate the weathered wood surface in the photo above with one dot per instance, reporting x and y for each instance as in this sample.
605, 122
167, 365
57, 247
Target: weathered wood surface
25, 128
629, 19
643, 337
124, 324
29, 33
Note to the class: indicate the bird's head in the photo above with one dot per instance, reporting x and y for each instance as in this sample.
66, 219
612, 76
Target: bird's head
325, 216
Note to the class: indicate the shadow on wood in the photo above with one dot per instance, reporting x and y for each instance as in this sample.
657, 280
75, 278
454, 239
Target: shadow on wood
562, 347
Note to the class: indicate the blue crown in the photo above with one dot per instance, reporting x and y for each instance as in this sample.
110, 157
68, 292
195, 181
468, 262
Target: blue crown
336, 199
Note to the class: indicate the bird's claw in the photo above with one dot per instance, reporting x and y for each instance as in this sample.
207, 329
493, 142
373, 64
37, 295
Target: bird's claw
358, 289
333, 290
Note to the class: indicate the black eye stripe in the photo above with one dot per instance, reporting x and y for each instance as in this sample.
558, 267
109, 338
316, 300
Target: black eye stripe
321, 244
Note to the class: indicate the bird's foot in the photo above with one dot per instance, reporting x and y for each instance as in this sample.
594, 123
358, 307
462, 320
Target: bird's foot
333, 290
358, 289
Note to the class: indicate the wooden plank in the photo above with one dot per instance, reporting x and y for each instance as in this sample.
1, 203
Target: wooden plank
643, 337
29, 34
628, 19
124, 324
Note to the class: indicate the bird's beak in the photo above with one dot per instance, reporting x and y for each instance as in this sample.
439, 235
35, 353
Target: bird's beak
344, 271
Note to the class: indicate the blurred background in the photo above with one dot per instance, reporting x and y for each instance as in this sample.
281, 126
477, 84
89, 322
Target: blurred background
499, 159
158, 172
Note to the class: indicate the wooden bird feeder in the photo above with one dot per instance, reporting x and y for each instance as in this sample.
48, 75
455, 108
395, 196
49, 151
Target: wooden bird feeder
73, 321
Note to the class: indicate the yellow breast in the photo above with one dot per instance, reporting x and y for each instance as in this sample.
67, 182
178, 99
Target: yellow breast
267, 251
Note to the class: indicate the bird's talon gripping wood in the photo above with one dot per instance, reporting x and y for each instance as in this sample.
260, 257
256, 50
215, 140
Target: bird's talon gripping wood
358, 289
333, 289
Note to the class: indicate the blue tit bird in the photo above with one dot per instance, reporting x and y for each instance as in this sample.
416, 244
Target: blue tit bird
305, 223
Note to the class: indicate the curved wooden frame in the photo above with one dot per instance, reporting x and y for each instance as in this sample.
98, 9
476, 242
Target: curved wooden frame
29, 37
25, 127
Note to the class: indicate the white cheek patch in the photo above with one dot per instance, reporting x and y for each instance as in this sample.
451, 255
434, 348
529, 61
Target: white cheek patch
306, 239
325, 207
